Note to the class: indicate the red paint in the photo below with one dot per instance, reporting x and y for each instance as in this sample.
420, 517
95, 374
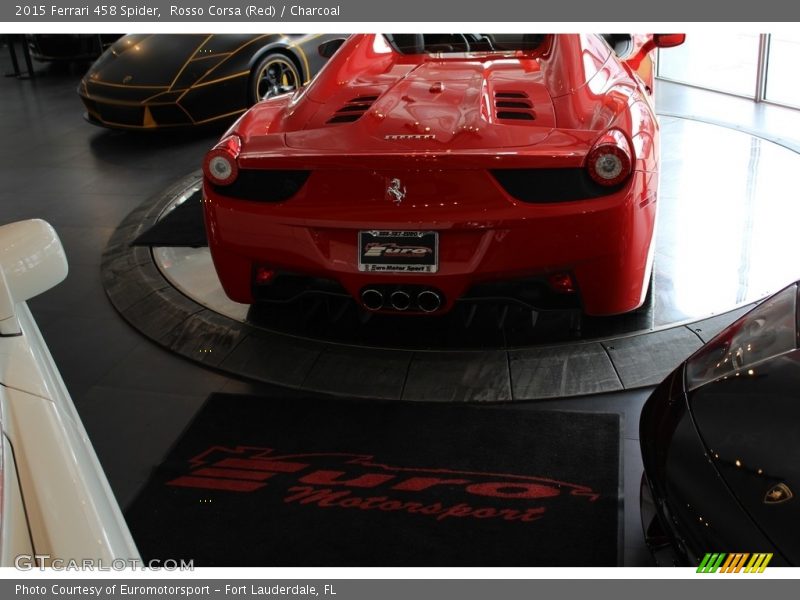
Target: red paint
443, 146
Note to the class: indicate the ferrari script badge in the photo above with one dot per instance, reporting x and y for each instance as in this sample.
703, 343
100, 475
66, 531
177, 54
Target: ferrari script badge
396, 191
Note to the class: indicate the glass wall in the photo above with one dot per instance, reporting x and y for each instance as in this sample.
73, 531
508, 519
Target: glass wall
763, 67
727, 62
783, 65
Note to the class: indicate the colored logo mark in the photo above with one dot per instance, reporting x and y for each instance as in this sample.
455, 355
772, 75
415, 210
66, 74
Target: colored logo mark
734, 563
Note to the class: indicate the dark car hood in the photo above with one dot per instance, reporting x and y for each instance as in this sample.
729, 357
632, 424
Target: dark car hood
158, 60
750, 427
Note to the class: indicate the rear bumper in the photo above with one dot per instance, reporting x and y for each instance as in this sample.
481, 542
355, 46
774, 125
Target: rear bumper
604, 243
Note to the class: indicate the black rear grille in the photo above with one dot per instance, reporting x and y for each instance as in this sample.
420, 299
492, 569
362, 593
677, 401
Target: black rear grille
510, 95
264, 185
515, 116
544, 186
352, 110
513, 106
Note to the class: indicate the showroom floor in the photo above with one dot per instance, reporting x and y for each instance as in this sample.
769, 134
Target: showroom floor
134, 397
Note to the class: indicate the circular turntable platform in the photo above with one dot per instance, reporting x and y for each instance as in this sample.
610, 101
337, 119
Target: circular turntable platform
724, 241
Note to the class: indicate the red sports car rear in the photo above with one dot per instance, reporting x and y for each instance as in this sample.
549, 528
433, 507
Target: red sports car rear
417, 171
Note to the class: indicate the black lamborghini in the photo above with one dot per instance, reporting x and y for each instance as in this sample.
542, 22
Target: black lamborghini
172, 80
720, 441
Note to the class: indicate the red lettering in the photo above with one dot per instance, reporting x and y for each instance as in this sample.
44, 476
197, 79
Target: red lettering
484, 513
233, 474
350, 502
261, 465
328, 497
509, 514
418, 484
459, 510
371, 503
513, 490
532, 514
308, 495
229, 485
332, 478
431, 509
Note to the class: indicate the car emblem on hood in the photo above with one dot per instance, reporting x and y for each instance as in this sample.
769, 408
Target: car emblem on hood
396, 191
777, 494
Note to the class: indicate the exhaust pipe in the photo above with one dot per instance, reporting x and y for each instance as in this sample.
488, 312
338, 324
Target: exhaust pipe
400, 300
429, 301
372, 299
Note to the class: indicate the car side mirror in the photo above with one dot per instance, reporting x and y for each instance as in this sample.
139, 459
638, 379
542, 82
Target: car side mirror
32, 260
668, 40
657, 40
329, 48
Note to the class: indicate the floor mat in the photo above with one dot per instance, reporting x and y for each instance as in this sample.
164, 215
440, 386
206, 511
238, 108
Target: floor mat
259, 482
182, 226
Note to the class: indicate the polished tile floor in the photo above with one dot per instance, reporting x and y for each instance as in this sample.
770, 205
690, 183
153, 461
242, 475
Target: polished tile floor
135, 398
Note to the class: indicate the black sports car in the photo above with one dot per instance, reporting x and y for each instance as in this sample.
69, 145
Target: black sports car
720, 440
166, 80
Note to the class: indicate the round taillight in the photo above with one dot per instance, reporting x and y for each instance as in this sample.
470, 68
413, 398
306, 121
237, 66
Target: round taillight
609, 162
220, 164
220, 168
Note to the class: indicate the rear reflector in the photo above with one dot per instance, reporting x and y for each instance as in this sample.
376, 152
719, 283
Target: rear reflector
562, 283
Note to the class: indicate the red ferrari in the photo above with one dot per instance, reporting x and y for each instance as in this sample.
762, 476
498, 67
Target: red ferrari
419, 171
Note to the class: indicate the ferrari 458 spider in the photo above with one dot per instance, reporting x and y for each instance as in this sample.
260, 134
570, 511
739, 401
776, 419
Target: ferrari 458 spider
720, 439
150, 81
419, 171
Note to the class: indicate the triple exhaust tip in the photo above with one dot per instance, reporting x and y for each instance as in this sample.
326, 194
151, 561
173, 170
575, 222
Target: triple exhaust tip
427, 300
372, 299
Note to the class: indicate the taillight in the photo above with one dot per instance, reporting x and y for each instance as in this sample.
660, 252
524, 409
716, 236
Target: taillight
220, 163
609, 162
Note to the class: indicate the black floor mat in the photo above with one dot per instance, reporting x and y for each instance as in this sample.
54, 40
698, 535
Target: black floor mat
182, 226
259, 482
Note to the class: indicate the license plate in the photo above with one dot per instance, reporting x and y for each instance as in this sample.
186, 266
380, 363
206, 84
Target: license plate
398, 251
